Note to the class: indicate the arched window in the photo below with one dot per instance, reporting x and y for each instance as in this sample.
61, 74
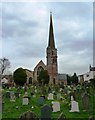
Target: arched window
30, 80
39, 70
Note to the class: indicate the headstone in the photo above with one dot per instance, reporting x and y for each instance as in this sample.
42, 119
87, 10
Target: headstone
35, 90
72, 98
17, 94
25, 101
74, 106
50, 96
12, 97
34, 96
25, 88
65, 89
58, 96
41, 101
86, 101
29, 115
46, 112
61, 89
49, 90
8, 94
25, 95
62, 117
56, 106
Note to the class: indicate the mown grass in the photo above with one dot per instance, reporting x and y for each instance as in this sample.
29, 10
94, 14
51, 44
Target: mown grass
10, 110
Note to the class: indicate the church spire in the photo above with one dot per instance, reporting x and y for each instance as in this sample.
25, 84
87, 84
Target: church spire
51, 43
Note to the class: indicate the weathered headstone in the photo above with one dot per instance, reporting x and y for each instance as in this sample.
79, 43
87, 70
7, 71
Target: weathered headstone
17, 94
72, 98
25, 101
65, 89
8, 94
62, 117
86, 101
50, 96
29, 115
12, 97
46, 112
58, 96
41, 101
74, 106
49, 90
56, 106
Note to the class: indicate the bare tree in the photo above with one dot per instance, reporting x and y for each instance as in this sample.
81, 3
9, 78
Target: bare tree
4, 64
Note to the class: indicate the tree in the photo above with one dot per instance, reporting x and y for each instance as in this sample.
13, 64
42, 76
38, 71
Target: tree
43, 77
4, 64
20, 76
74, 79
68, 79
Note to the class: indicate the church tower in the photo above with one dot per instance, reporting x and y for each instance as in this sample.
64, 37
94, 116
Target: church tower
52, 65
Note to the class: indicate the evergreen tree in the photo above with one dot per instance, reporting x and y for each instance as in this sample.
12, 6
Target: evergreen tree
43, 77
20, 76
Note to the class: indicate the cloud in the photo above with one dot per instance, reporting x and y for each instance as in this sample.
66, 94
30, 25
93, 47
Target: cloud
25, 31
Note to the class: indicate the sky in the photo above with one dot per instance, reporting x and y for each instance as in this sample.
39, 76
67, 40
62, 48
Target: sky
25, 31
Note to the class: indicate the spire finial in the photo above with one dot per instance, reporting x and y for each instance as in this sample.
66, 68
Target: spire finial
51, 35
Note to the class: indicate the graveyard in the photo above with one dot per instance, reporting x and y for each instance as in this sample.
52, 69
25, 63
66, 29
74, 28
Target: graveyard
59, 100
44, 92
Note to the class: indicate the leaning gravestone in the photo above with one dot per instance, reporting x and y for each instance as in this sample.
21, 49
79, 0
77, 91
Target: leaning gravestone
62, 117
29, 115
46, 112
56, 106
86, 101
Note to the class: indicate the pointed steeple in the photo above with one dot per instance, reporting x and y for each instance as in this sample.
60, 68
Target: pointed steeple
51, 42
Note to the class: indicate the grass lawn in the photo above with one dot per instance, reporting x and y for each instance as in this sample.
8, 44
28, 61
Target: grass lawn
10, 110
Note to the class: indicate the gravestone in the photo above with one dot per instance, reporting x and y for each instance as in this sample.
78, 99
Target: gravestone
26, 95
72, 98
74, 106
86, 101
25, 101
58, 96
8, 94
65, 89
35, 90
12, 97
50, 96
17, 94
29, 115
62, 117
46, 112
41, 101
34, 96
56, 106
49, 90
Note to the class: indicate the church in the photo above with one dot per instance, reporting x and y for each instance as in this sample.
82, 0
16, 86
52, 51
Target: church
51, 65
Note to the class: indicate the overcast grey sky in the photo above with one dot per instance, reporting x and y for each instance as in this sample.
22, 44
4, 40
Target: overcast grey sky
25, 30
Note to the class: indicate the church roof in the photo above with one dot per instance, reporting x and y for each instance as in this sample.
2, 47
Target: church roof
62, 76
41, 63
51, 42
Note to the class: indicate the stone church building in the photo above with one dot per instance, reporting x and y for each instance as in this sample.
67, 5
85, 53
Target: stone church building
51, 65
